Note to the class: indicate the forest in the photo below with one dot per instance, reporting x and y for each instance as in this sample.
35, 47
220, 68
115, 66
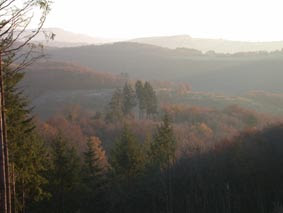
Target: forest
136, 127
139, 155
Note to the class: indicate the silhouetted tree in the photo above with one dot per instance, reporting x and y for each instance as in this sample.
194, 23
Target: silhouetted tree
150, 99
140, 92
127, 159
115, 112
129, 99
94, 177
64, 177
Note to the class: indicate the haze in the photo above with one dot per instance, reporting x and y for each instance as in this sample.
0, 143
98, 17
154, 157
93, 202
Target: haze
253, 20
141, 106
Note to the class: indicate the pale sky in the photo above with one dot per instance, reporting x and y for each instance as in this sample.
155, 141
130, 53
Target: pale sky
251, 20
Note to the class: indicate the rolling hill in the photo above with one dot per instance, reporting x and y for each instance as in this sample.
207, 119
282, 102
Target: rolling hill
217, 45
51, 85
221, 73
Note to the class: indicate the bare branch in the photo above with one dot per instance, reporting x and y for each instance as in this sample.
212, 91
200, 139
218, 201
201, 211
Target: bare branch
2, 6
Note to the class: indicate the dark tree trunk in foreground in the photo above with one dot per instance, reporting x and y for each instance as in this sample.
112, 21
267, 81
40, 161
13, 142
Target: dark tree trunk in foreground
5, 141
3, 185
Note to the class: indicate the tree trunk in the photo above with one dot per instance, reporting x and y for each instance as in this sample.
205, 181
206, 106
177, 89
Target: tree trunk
3, 192
5, 141
13, 189
23, 198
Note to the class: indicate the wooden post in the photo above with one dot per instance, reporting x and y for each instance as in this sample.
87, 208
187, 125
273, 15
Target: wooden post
3, 191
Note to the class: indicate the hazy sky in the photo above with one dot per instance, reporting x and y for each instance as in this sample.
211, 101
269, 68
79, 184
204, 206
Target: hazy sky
257, 20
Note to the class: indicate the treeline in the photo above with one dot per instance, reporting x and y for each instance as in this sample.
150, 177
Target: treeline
240, 175
90, 181
211, 53
124, 101
192, 124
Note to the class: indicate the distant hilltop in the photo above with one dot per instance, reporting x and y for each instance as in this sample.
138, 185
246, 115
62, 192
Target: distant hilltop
204, 45
65, 38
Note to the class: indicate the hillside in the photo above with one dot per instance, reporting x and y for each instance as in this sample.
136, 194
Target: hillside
220, 73
217, 45
84, 76
269, 103
55, 75
52, 85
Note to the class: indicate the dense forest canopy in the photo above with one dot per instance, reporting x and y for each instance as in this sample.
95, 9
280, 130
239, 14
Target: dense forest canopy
133, 127
116, 143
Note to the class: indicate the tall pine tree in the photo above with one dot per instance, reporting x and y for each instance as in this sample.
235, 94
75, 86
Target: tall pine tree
127, 162
163, 147
115, 111
129, 99
26, 150
150, 99
140, 93
64, 177
94, 177
163, 150
127, 159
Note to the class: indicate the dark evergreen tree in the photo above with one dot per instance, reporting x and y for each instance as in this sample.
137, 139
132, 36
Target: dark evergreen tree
140, 93
94, 177
115, 111
163, 147
150, 99
64, 177
127, 159
127, 162
26, 150
129, 99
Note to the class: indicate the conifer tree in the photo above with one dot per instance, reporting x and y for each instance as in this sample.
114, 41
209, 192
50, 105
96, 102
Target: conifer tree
115, 112
129, 99
150, 99
26, 150
127, 159
94, 158
94, 177
64, 176
140, 93
163, 146
163, 150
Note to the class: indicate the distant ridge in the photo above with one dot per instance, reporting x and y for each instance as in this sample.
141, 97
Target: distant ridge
204, 45
204, 72
65, 38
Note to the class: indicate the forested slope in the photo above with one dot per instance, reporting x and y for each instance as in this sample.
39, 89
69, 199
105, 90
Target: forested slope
224, 73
